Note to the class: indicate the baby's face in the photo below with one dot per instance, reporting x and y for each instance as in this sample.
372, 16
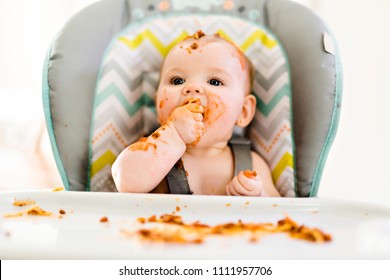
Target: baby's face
212, 70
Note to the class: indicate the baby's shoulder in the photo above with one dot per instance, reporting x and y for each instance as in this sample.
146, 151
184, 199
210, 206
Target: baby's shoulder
258, 162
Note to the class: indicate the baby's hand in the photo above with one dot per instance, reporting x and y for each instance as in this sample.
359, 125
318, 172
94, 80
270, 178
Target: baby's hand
246, 183
187, 120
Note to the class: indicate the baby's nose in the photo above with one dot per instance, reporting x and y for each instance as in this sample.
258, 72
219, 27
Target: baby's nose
193, 89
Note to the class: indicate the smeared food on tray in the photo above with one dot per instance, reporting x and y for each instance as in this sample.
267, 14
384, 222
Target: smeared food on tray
172, 229
35, 210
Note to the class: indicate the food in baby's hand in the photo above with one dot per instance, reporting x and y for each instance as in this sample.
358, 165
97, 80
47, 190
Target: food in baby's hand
250, 174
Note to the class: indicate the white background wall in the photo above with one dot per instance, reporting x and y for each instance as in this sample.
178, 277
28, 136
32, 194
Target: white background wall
358, 165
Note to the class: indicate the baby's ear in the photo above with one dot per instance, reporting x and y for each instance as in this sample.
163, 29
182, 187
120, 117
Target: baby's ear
248, 111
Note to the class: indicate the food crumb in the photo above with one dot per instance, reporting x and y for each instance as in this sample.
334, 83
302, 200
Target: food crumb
58, 189
25, 202
104, 219
62, 211
37, 211
228, 204
274, 205
177, 208
253, 239
199, 34
194, 46
152, 218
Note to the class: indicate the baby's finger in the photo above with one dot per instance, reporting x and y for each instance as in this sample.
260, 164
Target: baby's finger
199, 126
231, 188
251, 183
248, 179
197, 117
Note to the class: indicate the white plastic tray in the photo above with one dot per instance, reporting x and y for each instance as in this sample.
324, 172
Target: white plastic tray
359, 231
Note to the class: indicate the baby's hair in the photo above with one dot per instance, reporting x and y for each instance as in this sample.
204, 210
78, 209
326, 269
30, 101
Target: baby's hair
219, 36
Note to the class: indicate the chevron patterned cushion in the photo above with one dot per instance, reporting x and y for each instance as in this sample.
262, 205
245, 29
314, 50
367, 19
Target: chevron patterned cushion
124, 98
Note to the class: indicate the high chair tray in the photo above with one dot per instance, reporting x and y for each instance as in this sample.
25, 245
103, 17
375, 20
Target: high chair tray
99, 226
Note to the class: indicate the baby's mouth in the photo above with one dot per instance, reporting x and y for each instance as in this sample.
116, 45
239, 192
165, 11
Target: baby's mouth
194, 100
197, 106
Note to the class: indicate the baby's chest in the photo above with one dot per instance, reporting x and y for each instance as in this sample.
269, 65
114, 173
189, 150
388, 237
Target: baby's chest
209, 177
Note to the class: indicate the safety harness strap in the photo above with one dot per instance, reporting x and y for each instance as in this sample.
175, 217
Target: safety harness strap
241, 149
177, 179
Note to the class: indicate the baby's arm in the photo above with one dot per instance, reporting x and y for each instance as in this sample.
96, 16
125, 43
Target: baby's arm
253, 183
144, 164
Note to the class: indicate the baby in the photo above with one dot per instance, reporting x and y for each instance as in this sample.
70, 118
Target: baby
204, 91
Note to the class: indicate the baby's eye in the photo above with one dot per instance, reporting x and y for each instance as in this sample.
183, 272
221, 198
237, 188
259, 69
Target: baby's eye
215, 82
177, 81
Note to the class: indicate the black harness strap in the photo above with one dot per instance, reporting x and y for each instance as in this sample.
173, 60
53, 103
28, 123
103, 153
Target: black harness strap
177, 179
241, 149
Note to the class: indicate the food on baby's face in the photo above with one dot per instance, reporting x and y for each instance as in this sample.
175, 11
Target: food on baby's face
214, 110
198, 34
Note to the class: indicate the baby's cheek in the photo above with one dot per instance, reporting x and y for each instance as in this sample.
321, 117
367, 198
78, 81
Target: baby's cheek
164, 107
215, 109
163, 115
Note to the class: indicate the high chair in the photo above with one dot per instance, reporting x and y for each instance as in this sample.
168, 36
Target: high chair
102, 70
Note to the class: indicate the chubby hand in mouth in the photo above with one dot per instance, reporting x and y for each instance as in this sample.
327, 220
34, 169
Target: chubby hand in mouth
188, 120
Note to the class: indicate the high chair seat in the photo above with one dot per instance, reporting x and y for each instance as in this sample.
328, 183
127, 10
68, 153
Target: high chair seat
102, 71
